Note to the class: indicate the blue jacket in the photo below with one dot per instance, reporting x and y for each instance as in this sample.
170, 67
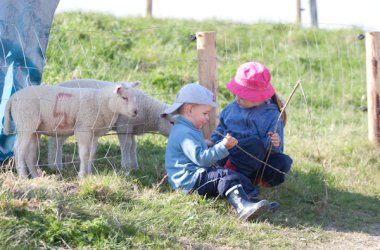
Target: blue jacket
257, 121
187, 155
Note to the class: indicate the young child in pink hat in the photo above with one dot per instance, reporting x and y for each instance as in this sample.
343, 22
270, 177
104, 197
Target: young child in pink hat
251, 118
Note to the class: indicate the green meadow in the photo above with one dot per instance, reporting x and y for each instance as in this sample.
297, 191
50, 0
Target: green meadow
330, 199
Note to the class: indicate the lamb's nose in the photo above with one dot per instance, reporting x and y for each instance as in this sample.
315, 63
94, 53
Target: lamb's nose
135, 112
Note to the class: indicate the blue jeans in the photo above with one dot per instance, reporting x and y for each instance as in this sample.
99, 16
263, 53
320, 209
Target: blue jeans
216, 181
252, 168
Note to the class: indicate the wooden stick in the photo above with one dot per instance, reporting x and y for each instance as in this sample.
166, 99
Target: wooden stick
278, 122
254, 157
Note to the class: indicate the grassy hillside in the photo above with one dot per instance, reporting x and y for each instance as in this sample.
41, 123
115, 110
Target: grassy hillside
331, 197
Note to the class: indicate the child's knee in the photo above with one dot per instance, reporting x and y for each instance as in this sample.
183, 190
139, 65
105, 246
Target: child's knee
287, 164
277, 180
277, 176
281, 162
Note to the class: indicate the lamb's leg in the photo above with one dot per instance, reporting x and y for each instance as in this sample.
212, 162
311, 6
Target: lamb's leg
128, 148
84, 142
31, 156
87, 145
133, 153
20, 149
122, 142
92, 155
55, 146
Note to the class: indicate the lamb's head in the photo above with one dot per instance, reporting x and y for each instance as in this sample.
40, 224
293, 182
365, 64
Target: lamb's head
165, 123
126, 102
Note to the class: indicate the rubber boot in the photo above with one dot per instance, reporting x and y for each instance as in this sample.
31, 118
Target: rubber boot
245, 209
273, 205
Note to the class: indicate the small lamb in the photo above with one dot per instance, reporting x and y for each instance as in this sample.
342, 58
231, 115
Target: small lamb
58, 111
149, 120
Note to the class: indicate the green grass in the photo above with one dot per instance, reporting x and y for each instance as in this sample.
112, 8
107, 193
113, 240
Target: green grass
331, 197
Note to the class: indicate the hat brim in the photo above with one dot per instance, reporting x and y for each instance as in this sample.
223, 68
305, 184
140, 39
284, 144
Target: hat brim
254, 95
213, 104
172, 109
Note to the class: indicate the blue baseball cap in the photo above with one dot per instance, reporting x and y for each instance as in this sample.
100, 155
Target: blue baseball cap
192, 93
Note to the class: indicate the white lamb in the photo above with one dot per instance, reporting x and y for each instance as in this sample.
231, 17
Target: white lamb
58, 111
149, 120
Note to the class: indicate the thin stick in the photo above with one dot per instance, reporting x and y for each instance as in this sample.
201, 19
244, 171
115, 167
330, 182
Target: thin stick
161, 182
278, 122
254, 157
286, 104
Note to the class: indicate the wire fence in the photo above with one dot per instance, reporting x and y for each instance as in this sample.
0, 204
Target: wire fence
330, 64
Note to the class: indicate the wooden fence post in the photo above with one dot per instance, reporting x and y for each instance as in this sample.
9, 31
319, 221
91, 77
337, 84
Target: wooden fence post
207, 72
297, 11
373, 85
148, 8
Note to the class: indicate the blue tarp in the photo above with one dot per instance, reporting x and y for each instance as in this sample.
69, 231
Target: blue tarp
24, 35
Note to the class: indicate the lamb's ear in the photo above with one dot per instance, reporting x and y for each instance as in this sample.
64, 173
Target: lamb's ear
118, 89
135, 84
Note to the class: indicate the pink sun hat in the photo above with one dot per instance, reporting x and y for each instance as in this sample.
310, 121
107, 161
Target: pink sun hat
252, 82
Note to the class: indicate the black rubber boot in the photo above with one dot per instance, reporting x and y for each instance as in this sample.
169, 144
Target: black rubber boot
245, 209
273, 205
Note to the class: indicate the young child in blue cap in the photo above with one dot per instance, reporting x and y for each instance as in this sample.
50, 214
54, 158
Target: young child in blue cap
190, 164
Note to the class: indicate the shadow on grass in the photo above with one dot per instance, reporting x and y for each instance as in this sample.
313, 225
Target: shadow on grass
303, 198
151, 159
304, 203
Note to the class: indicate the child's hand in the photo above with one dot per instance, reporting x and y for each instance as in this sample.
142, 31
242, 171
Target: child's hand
229, 141
274, 138
209, 143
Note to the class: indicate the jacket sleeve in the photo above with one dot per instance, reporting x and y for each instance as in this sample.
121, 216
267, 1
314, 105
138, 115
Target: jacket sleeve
201, 156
